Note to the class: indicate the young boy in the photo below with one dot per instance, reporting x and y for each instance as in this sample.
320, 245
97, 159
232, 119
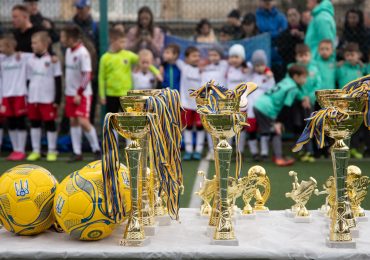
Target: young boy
142, 77
78, 91
326, 64
170, 72
14, 90
44, 95
352, 68
191, 79
264, 78
269, 105
115, 71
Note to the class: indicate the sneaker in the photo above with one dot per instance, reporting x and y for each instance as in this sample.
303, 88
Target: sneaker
307, 157
19, 156
284, 162
97, 155
210, 156
51, 157
355, 154
256, 158
11, 156
197, 156
34, 157
187, 156
75, 158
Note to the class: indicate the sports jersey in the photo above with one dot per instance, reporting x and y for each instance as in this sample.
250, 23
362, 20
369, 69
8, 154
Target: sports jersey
216, 72
77, 62
41, 72
190, 79
143, 80
13, 74
115, 73
234, 76
282, 94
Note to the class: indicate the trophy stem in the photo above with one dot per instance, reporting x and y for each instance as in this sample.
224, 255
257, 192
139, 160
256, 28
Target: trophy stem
215, 213
340, 224
224, 229
134, 233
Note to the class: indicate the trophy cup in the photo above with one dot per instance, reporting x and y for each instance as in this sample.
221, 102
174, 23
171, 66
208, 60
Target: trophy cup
300, 194
357, 187
139, 104
330, 191
340, 127
134, 126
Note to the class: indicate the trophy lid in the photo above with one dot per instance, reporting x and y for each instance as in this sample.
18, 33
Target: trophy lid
144, 92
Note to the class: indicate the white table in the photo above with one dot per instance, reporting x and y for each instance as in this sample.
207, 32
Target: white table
272, 236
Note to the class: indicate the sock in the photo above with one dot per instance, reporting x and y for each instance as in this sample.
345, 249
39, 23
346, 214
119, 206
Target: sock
253, 146
13, 139
76, 135
201, 135
22, 138
277, 146
243, 137
1, 137
265, 145
210, 142
188, 139
52, 141
92, 137
36, 139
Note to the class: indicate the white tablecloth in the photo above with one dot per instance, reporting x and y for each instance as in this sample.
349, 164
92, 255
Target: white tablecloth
271, 236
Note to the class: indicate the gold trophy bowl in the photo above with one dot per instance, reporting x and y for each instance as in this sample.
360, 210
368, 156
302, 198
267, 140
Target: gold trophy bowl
132, 125
221, 126
322, 94
134, 103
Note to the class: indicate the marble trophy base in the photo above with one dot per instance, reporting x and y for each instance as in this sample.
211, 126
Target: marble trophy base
150, 230
134, 242
339, 244
299, 219
231, 242
358, 219
163, 220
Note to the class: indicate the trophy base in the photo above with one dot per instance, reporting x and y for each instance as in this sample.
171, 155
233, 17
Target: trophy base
163, 220
340, 244
248, 216
134, 243
299, 219
289, 213
362, 219
355, 232
231, 242
150, 230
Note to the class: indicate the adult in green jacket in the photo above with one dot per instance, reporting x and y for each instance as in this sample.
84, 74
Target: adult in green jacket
322, 25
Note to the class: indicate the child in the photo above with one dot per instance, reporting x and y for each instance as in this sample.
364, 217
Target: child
142, 77
115, 71
268, 106
14, 90
44, 94
263, 77
326, 65
78, 92
191, 79
1, 116
170, 72
237, 70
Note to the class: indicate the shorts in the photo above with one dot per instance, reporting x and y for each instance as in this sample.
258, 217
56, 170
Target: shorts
42, 112
190, 118
14, 106
252, 128
265, 124
82, 110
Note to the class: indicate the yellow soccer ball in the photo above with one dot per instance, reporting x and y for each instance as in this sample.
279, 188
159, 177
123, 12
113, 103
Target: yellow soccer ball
26, 199
79, 204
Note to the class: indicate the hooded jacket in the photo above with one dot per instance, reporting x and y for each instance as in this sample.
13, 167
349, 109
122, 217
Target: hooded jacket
272, 21
322, 26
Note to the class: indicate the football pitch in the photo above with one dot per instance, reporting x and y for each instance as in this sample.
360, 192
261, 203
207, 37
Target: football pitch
281, 182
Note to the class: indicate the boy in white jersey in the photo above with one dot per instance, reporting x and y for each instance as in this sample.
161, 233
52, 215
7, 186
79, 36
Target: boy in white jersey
191, 79
14, 91
237, 70
142, 77
78, 91
44, 94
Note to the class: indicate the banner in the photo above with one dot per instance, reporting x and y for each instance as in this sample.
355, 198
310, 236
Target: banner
259, 42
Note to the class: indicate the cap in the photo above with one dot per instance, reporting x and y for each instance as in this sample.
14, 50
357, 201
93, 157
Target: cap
259, 58
237, 50
82, 3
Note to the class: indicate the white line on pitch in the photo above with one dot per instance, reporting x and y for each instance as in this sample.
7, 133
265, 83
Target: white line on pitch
195, 200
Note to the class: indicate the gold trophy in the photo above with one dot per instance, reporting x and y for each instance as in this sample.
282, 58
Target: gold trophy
330, 192
263, 189
357, 187
300, 194
348, 117
133, 126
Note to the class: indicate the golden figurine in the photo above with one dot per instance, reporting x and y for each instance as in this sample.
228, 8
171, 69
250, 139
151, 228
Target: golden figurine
300, 194
330, 191
357, 186
206, 192
263, 188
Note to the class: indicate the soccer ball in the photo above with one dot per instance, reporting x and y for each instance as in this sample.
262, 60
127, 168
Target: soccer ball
26, 199
79, 204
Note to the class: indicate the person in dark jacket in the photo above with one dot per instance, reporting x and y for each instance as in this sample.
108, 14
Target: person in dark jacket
249, 26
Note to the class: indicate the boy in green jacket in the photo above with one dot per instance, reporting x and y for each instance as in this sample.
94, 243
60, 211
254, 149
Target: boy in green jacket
326, 64
269, 105
352, 67
115, 70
